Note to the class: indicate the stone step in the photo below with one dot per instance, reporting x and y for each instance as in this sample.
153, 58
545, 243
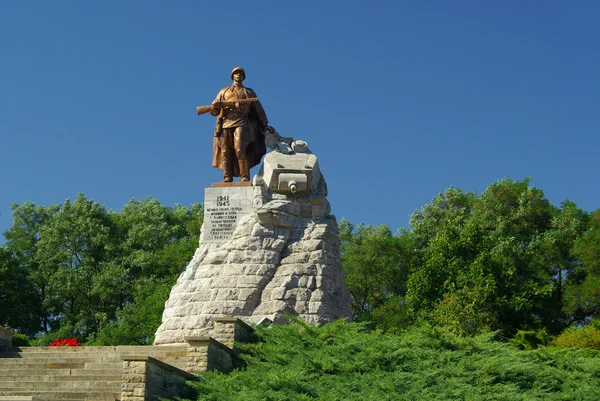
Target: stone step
58, 364
94, 349
156, 348
45, 377
62, 363
64, 395
51, 367
176, 356
60, 358
111, 359
110, 348
62, 385
58, 372
176, 360
41, 352
44, 354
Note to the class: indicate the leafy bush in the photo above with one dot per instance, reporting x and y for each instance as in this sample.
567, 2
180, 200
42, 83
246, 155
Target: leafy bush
530, 339
587, 336
45, 339
20, 340
346, 361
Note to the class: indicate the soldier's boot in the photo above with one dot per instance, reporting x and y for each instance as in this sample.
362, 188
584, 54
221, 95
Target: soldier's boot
244, 170
227, 176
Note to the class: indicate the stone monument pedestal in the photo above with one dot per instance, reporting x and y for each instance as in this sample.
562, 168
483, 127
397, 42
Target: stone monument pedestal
266, 251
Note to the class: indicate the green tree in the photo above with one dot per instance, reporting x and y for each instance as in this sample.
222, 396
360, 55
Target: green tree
21, 242
18, 293
479, 265
157, 240
376, 263
74, 246
89, 269
582, 295
555, 250
138, 320
435, 230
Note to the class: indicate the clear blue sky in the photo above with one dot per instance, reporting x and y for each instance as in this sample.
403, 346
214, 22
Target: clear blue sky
399, 100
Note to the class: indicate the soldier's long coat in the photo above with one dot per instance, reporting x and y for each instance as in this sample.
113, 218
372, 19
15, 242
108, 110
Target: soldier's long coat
256, 123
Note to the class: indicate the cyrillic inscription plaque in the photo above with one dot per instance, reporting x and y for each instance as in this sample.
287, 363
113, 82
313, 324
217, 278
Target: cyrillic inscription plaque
223, 209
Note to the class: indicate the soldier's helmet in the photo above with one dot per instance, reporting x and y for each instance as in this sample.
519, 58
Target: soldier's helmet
238, 69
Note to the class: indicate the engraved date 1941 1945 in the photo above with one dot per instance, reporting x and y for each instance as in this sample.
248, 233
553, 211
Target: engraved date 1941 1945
223, 200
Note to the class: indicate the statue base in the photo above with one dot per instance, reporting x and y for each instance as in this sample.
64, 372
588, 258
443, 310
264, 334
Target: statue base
262, 254
231, 184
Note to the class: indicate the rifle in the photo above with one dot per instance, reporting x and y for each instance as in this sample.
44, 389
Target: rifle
230, 105
219, 126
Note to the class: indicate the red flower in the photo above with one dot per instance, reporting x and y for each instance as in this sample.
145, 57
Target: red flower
67, 342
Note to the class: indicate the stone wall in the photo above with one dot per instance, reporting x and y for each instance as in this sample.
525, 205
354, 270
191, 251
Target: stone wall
148, 379
228, 331
208, 354
6, 336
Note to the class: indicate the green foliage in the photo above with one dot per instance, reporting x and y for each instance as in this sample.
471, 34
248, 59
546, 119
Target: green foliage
555, 248
493, 261
505, 259
18, 292
20, 340
157, 240
21, 244
137, 321
392, 316
345, 361
71, 251
530, 339
376, 264
77, 270
587, 336
65, 330
582, 298
587, 247
466, 311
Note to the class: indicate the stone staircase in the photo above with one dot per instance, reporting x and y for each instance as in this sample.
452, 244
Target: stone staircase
74, 373
125, 373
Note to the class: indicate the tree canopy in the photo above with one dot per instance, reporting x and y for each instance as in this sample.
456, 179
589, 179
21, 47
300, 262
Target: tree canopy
505, 259
78, 270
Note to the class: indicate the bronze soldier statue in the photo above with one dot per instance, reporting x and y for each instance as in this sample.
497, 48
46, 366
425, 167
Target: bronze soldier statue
239, 143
